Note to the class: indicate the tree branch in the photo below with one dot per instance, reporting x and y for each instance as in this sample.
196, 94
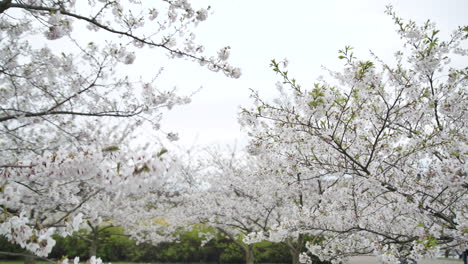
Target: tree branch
4, 5
26, 255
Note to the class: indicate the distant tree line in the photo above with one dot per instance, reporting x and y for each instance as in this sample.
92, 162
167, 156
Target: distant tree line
115, 246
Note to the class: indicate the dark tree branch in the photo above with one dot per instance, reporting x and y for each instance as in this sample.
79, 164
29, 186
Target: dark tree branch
97, 114
4, 5
93, 21
26, 255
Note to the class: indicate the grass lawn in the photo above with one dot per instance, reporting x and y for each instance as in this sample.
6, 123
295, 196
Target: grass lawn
20, 262
119, 262
45, 262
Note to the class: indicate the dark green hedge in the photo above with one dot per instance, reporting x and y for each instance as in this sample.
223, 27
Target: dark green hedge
114, 246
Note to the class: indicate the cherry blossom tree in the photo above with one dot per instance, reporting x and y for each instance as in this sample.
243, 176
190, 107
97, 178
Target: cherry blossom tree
287, 184
237, 197
148, 174
158, 215
69, 110
154, 211
44, 92
233, 204
216, 196
381, 147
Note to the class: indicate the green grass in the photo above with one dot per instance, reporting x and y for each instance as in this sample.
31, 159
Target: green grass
44, 262
20, 262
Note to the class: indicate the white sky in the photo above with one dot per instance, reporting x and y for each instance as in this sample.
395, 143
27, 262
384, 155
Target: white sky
308, 33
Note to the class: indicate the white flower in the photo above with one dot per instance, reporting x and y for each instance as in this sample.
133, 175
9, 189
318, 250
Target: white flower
223, 54
304, 258
130, 58
172, 136
94, 260
77, 221
235, 73
202, 14
170, 42
153, 13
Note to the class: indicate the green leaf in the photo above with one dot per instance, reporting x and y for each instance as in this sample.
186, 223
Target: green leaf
111, 148
144, 168
399, 148
162, 152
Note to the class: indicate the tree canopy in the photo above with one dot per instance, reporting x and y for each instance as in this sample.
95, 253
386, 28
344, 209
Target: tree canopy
370, 159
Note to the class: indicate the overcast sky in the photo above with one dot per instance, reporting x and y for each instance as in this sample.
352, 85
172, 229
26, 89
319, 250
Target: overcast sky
307, 32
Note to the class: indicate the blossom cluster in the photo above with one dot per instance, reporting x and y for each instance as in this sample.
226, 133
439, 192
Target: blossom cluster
69, 112
380, 149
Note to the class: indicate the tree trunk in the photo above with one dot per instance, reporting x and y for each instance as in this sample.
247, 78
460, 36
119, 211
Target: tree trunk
295, 255
248, 249
249, 254
93, 247
94, 240
447, 253
295, 248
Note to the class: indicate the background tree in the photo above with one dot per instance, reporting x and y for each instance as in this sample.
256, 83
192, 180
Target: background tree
61, 94
383, 146
287, 183
236, 197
